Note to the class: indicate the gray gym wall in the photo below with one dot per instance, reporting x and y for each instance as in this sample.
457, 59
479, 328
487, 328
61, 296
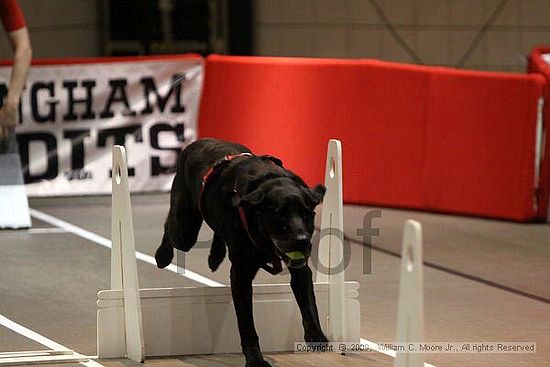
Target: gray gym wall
60, 28
438, 32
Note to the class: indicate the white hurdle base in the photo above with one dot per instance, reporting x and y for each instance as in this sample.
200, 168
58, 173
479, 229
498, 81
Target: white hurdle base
184, 321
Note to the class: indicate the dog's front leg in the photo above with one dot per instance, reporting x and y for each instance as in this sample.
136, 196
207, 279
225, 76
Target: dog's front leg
241, 290
302, 286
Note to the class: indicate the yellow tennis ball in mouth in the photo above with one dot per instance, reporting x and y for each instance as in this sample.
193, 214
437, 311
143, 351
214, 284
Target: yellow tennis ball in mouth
295, 255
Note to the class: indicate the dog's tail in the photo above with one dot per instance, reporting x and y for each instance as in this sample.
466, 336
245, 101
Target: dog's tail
217, 253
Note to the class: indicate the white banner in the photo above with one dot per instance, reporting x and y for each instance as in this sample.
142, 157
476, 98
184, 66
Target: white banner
72, 114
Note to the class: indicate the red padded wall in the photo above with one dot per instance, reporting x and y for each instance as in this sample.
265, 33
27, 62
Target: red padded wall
413, 137
480, 135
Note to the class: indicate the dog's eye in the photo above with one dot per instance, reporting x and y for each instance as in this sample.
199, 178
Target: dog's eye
281, 212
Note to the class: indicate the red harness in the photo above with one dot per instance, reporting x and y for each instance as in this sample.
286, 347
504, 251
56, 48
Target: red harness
276, 266
211, 170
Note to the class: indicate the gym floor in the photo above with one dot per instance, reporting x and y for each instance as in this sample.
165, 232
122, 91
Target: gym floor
484, 281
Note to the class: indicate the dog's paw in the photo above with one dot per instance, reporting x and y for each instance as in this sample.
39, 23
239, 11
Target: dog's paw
316, 336
217, 253
254, 357
258, 363
164, 256
214, 262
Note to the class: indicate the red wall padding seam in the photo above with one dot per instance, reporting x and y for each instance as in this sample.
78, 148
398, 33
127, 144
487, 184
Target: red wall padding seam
413, 137
538, 65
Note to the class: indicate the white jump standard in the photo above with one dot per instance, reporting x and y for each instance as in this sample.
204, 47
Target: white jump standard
331, 244
410, 314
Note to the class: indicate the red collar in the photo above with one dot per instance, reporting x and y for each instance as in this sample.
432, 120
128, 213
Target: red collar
212, 169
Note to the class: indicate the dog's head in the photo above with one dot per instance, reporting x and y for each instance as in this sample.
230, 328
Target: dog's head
284, 212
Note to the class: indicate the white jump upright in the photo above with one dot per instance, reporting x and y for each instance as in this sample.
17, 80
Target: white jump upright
201, 320
331, 244
410, 315
124, 274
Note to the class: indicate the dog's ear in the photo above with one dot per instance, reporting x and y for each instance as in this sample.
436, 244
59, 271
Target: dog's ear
316, 194
242, 184
253, 198
275, 160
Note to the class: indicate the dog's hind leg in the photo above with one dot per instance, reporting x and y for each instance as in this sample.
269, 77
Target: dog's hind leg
181, 227
217, 252
180, 231
164, 253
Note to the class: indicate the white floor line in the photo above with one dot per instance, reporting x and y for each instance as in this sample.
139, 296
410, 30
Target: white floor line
35, 231
81, 232
20, 329
92, 363
40, 339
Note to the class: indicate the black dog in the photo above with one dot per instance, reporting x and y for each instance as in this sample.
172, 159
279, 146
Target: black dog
262, 212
